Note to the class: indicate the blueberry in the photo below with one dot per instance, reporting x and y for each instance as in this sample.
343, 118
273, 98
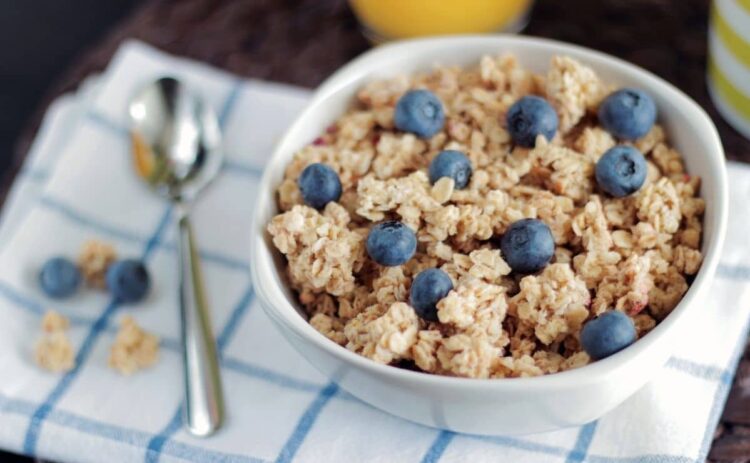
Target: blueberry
528, 117
391, 243
319, 185
627, 113
419, 112
59, 277
128, 280
621, 171
610, 332
428, 287
527, 245
453, 164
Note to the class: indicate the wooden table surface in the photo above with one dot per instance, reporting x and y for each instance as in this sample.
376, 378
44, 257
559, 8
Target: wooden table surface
303, 41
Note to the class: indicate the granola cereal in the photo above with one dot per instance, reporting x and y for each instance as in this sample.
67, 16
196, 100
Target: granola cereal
53, 321
93, 260
634, 254
133, 349
53, 351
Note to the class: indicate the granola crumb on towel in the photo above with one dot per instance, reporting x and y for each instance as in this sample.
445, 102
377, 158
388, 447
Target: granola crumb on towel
53, 351
133, 349
94, 259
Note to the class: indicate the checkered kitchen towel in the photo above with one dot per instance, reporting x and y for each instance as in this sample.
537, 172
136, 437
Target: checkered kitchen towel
77, 184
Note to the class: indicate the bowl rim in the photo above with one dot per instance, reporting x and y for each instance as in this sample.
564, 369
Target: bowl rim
281, 311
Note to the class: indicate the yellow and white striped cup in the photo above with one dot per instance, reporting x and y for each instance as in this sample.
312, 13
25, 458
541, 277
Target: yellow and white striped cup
729, 61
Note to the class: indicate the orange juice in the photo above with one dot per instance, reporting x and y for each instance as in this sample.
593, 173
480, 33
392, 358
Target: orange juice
396, 19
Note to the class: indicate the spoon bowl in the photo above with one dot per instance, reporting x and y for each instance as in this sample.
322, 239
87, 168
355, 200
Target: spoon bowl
176, 139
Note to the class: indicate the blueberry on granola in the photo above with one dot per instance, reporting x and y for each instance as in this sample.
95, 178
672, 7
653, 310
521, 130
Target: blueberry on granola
628, 113
607, 334
319, 185
427, 289
621, 171
59, 277
128, 280
453, 164
419, 112
529, 117
391, 243
527, 245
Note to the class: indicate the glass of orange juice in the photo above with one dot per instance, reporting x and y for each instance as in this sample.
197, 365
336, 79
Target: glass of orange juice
399, 19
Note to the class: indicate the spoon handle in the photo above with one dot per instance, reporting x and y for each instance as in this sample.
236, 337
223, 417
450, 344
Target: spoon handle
204, 404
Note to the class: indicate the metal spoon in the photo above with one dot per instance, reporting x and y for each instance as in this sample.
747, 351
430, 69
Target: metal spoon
177, 151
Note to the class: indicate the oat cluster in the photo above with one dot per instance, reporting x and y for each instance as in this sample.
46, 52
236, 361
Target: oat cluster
133, 349
53, 351
93, 260
634, 254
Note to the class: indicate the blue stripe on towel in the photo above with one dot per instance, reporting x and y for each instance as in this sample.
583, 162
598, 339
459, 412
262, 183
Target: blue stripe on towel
242, 168
36, 175
127, 436
18, 299
270, 376
582, 444
306, 423
89, 222
99, 226
239, 311
438, 446
156, 444
104, 122
699, 370
230, 102
733, 272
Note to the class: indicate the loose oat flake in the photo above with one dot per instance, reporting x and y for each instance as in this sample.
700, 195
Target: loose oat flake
53, 351
93, 260
133, 349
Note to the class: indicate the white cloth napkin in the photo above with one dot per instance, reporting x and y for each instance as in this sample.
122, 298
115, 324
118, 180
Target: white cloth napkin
77, 184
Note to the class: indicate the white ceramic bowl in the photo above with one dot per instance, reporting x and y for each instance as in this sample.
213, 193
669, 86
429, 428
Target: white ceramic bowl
498, 406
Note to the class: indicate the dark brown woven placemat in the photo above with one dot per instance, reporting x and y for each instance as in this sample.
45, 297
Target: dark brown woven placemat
303, 41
